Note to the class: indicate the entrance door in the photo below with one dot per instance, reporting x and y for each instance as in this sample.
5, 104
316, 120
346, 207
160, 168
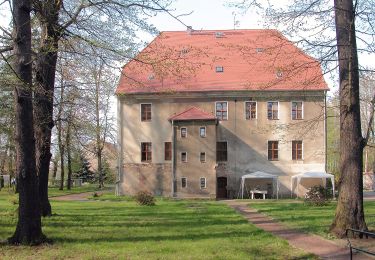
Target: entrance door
221, 188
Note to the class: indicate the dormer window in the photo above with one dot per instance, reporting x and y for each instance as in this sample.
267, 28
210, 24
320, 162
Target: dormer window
184, 51
279, 74
219, 34
151, 77
219, 69
259, 50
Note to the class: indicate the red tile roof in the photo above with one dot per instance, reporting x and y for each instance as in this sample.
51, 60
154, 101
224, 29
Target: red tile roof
251, 60
192, 113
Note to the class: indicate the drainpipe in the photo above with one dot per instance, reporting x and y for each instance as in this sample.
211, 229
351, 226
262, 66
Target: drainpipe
325, 131
173, 192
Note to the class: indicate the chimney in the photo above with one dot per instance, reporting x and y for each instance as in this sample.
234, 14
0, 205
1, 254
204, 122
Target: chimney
189, 29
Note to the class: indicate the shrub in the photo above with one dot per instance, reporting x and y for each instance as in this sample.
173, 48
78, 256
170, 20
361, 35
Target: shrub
317, 196
145, 198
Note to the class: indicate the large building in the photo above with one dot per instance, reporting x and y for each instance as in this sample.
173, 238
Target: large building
199, 109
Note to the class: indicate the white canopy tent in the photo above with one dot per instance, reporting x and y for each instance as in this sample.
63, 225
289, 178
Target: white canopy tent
296, 179
260, 175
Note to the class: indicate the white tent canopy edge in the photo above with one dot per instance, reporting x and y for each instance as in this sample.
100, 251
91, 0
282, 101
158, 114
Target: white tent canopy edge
311, 175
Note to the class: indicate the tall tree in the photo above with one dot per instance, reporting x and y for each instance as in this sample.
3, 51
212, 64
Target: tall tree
29, 229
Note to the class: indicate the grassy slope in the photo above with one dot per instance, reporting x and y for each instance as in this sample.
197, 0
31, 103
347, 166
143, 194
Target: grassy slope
307, 218
124, 230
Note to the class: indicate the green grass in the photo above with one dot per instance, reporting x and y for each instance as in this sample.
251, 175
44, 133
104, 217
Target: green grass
54, 191
307, 218
107, 229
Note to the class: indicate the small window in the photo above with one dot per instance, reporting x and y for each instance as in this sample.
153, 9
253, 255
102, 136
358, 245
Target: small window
251, 110
221, 151
222, 110
183, 182
296, 150
202, 182
146, 152
183, 132
273, 150
184, 157
259, 50
167, 151
219, 34
273, 110
297, 113
219, 69
202, 157
145, 112
202, 131
279, 74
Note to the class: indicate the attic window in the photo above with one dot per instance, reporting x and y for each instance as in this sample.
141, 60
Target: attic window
219, 69
259, 50
219, 34
279, 74
184, 51
151, 77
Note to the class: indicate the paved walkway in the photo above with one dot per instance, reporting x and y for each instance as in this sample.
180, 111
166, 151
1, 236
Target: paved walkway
317, 245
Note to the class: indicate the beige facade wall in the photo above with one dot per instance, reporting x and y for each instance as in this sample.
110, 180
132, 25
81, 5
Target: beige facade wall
247, 139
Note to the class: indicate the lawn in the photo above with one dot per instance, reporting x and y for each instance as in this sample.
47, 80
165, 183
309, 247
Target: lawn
121, 229
54, 191
306, 218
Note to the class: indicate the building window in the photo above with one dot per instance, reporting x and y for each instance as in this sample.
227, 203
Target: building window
251, 110
202, 157
222, 110
221, 152
202, 182
273, 150
183, 132
297, 110
145, 112
219, 69
296, 150
146, 152
273, 110
167, 151
183, 156
183, 182
202, 131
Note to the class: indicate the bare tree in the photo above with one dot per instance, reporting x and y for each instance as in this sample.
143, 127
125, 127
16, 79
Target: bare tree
29, 228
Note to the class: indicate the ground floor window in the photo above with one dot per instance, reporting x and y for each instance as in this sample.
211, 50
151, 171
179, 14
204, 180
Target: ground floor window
183, 182
146, 152
203, 183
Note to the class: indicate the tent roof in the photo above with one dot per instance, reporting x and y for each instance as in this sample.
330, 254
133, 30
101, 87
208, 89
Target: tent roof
259, 175
313, 175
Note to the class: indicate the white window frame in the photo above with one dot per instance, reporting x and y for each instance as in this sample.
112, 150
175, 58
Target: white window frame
185, 182
181, 132
205, 183
278, 150
291, 110
256, 110
205, 131
204, 157
186, 157
219, 69
227, 110
140, 111
303, 149
278, 110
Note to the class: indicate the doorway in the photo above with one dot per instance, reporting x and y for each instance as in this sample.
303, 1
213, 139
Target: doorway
221, 192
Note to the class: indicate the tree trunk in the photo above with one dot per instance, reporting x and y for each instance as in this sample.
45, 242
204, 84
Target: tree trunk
47, 13
29, 228
68, 151
349, 211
